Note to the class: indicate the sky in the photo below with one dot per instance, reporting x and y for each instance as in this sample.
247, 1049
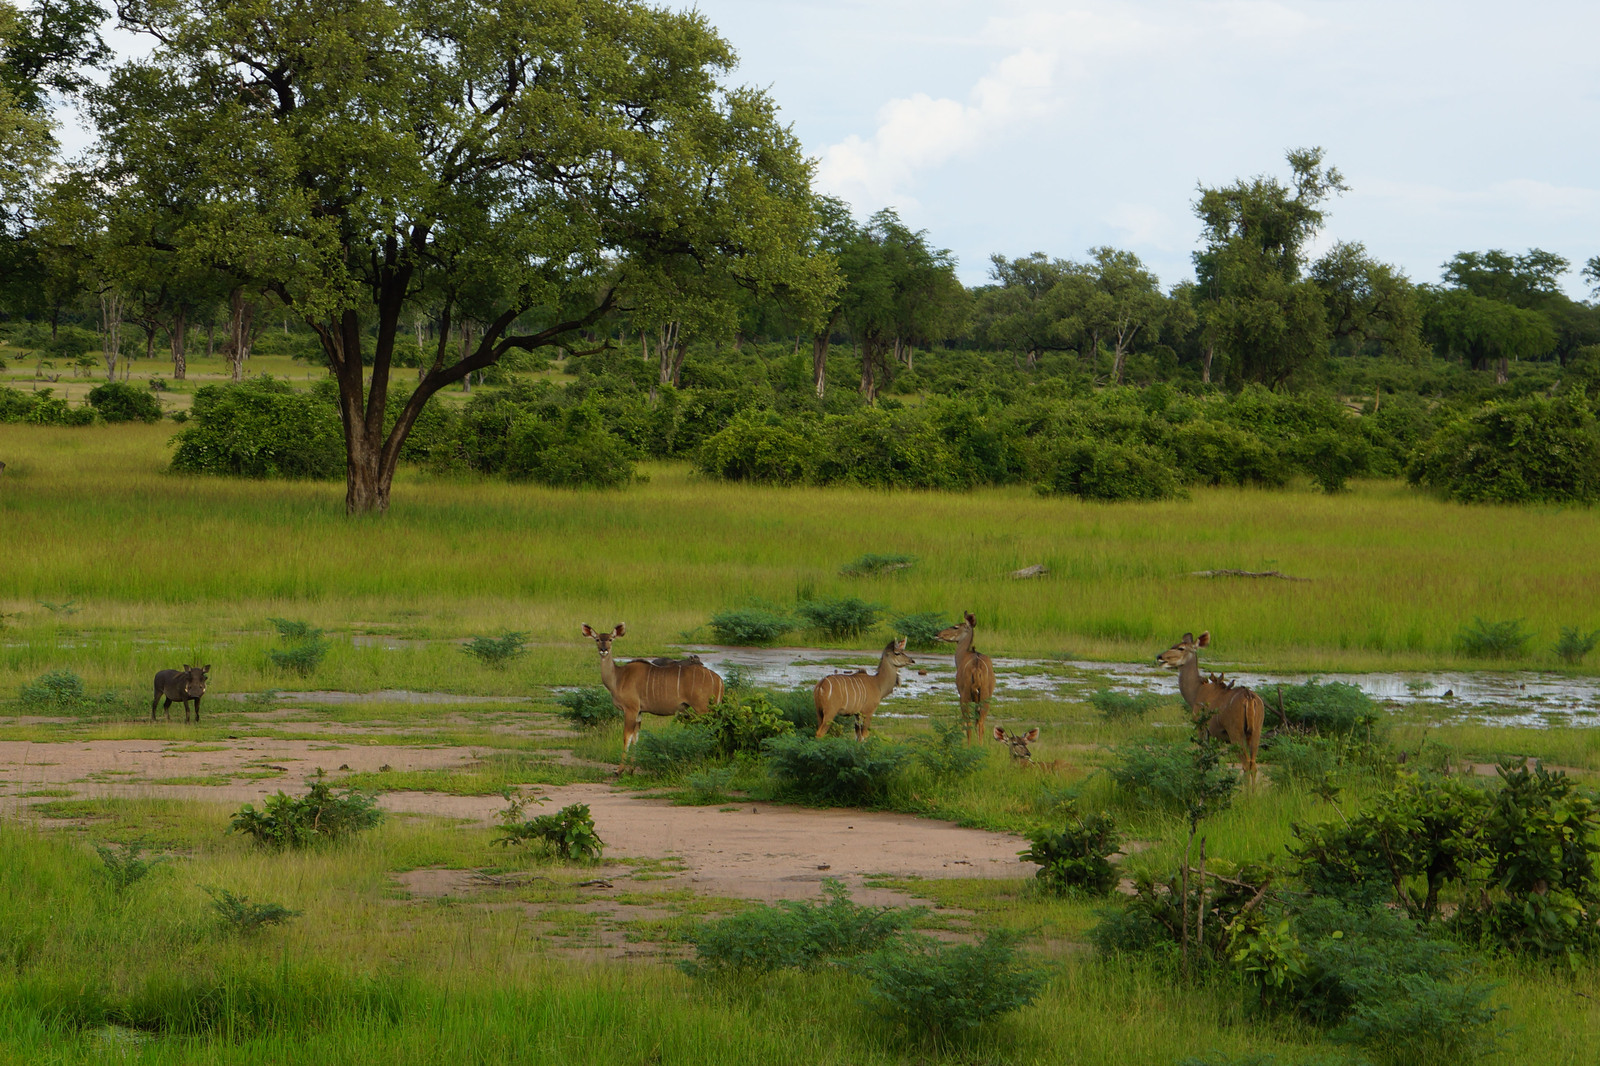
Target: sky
1015, 126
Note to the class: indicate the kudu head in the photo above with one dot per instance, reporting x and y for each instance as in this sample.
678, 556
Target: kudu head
1018, 742
194, 680
895, 652
1185, 651
603, 640
960, 630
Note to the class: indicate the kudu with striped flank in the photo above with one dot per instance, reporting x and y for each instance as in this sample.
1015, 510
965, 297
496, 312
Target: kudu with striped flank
974, 673
859, 693
1220, 707
652, 686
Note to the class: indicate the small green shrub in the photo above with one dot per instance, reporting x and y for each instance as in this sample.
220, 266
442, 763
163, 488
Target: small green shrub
302, 659
674, 749
1333, 709
296, 821
946, 754
841, 618
1116, 706
872, 563
1493, 640
750, 626
794, 934
834, 770
1074, 857
948, 989
570, 831
798, 707
1109, 470
499, 651
1575, 644
710, 785
117, 401
589, 707
239, 915
742, 724
921, 630
56, 689
1174, 775
1531, 450
262, 428
295, 629
126, 866
1307, 761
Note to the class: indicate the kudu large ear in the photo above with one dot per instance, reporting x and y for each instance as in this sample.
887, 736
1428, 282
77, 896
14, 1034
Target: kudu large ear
587, 631
899, 645
971, 621
1188, 638
1205, 638
620, 631
1031, 735
999, 734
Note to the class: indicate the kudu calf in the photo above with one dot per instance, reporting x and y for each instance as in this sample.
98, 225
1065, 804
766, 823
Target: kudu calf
652, 686
859, 693
1220, 708
974, 673
1018, 742
183, 686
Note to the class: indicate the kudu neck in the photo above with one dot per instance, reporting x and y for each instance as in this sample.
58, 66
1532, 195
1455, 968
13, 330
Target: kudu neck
608, 670
964, 644
888, 675
1189, 678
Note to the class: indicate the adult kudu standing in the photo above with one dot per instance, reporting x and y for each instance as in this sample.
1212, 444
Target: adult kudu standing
974, 673
1220, 708
652, 686
859, 693
181, 686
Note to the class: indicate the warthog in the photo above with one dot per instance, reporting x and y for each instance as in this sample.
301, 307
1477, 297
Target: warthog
181, 686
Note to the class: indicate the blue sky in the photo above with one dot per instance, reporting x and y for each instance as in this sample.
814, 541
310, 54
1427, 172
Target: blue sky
1014, 126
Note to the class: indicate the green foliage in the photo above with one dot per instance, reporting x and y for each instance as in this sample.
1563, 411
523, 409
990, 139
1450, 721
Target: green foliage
117, 401
921, 630
946, 990
306, 650
749, 626
1074, 857
839, 618
262, 428
1332, 709
835, 771
296, 821
291, 629
241, 916
1306, 761
798, 706
710, 785
41, 409
570, 831
1178, 776
1116, 706
872, 564
589, 707
794, 934
497, 652
126, 866
945, 753
1109, 470
742, 724
1493, 640
56, 689
673, 750
1575, 644
1532, 450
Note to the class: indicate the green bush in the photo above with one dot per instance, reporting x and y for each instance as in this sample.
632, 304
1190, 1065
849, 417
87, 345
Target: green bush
293, 629
1108, 470
749, 626
57, 690
948, 989
570, 831
1175, 775
1116, 706
840, 618
262, 428
872, 563
794, 934
834, 770
758, 446
1306, 761
945, 753
126, 866
672, 750
798, 706
741, 725
1332, 709
296, 821
1074, 857
306, 649
1575, 644
117, 401
239, 915
1531, 450
499, 651
921, 630
1493, 640
588, 707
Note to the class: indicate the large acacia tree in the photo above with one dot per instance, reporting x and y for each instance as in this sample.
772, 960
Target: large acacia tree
516, 164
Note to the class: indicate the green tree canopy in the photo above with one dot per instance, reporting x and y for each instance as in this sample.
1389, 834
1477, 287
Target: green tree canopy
1370, 306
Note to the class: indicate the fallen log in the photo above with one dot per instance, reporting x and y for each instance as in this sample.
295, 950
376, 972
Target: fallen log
1246, 573
1036, 570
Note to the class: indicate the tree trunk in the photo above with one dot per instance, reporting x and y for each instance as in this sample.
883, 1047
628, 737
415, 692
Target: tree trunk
1118, 361
178, 335
819, 361
111, 331
868, 387
211, 333
672, 349
1502, 371
1033, 358
242, 314
1205, 364
466, 350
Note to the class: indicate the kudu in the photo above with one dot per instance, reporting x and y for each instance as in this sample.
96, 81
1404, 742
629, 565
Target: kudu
1018, 742
974, 673
859, 693
182, 686
1234, 711
652, 686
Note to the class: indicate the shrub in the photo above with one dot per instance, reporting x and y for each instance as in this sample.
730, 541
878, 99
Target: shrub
749, 626
673, 749
1074, 857
290, 629
117, 401
1333, 709
794, 934
1532, 450
849, 617
710, 785
56, 689
742, 725
1332, 457
921, 630
1107, 470
306, 649
756, 446
126, 866
589, 707
570, 831
946, 754
1493, 640
296, 821
872, 563
948, 989
239, 915
261, 429
798, 706
834, 770
1309, 761
1177, 775
1575, 644
497, 651
1115, 706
